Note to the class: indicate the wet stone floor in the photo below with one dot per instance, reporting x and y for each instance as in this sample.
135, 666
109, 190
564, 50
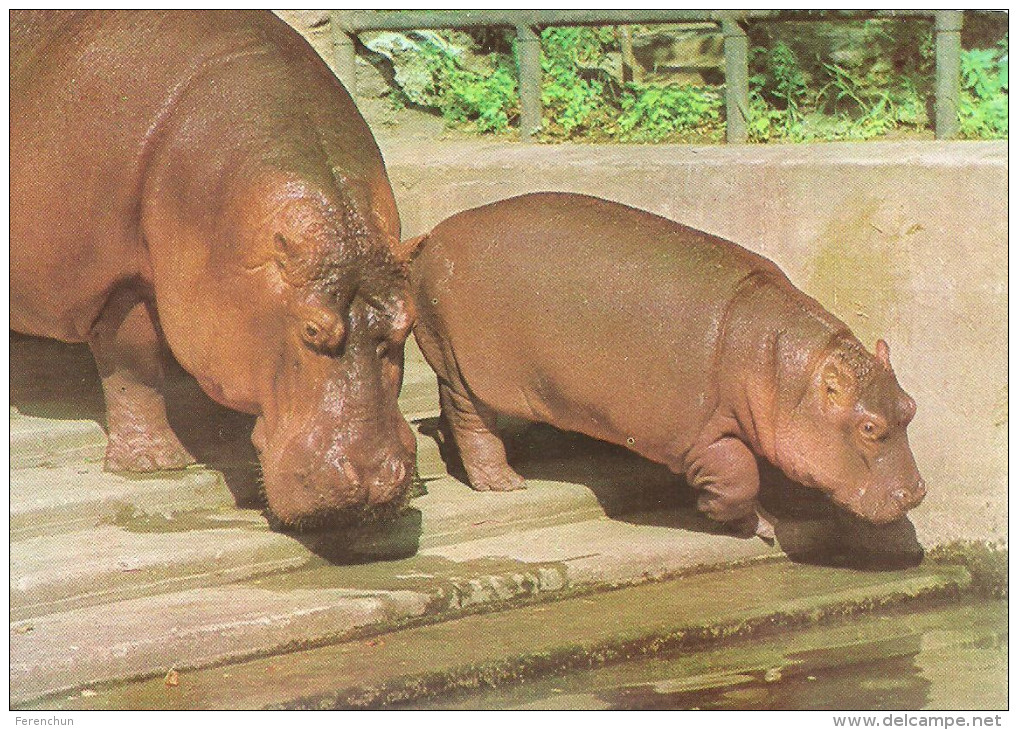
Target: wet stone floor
935, 659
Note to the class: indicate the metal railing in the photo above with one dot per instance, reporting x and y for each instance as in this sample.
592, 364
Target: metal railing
346, 24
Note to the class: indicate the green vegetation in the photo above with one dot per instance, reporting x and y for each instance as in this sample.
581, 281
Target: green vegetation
983, 103
487, 97
803, 87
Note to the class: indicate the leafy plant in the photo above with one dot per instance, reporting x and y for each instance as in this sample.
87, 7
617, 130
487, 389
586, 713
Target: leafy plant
764, 122
654, 112
491, 101
982, 107
574, 94
788, 84
795, 95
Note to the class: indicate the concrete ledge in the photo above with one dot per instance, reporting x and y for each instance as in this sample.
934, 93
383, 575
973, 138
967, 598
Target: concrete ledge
42, 442
49, 501
200, 627
423, 661
108, 564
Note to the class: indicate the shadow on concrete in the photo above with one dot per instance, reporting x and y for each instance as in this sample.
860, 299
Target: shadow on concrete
58, 380
371, 540
810, 528
53, 379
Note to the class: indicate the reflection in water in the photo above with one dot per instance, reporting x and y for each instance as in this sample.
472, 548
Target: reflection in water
948, 658
891, 684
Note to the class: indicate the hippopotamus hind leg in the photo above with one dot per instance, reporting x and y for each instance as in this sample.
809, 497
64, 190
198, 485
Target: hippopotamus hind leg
476, 434
127, 349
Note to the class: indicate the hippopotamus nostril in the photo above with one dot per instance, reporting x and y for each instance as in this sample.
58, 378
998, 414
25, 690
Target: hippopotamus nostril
391, 472
389, 478
899, 495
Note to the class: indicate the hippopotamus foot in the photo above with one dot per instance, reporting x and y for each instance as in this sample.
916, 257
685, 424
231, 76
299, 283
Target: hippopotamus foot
145, 451
727, 474
764, 526
492, 478
474, 429
127, 349
758, 524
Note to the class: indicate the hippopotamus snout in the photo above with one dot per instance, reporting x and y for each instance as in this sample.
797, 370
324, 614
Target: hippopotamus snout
909, 498
882, 504
319, 472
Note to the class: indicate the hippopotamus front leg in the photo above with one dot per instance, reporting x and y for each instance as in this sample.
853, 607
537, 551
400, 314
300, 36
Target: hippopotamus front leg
476, 434
727, 475
127, 349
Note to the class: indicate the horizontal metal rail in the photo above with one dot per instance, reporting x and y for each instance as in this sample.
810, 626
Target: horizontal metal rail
346, 24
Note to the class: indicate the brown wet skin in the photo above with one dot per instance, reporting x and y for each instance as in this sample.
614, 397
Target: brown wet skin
201, 180
688, 349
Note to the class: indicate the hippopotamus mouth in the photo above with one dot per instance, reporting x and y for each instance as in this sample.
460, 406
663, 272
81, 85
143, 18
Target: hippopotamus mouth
315, 476
881, 505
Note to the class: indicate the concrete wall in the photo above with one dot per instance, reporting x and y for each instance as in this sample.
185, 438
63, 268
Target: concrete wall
905, 241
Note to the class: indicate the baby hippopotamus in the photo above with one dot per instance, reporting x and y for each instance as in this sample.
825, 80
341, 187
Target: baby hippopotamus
686, 348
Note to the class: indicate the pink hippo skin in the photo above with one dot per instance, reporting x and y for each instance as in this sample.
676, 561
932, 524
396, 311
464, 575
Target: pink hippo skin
201, 179
688, 349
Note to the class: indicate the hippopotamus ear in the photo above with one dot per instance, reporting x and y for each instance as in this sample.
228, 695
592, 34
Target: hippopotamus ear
406, 250
883, 354
838, 382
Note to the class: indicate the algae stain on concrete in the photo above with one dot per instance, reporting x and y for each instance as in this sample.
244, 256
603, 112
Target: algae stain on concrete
861, 269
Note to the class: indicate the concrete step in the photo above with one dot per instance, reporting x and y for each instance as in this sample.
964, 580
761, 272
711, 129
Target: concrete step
110, 563
198, 627
54, 500
116, 577
454, 550
49, 442
451, 512
412, 663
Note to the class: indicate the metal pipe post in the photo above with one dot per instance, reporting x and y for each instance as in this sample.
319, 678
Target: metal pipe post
736, 48
344, 51
948, 29
528, 60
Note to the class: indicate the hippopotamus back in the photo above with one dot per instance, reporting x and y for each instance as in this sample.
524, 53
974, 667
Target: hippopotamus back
603, 319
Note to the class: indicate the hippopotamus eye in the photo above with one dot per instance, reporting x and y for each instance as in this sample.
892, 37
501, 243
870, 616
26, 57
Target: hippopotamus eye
324, 333
873, 429
311, 332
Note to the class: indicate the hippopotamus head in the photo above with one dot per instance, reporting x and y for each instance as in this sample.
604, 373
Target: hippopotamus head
329, 433
306, 316
846, 434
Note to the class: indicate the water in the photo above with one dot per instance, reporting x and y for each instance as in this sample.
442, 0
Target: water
952, 657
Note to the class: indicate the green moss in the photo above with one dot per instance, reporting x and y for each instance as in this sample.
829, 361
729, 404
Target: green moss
986, 562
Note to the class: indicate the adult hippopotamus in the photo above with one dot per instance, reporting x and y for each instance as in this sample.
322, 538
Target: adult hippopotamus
688, 349
202, 177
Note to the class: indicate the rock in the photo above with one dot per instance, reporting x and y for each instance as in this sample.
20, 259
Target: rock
691, 53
